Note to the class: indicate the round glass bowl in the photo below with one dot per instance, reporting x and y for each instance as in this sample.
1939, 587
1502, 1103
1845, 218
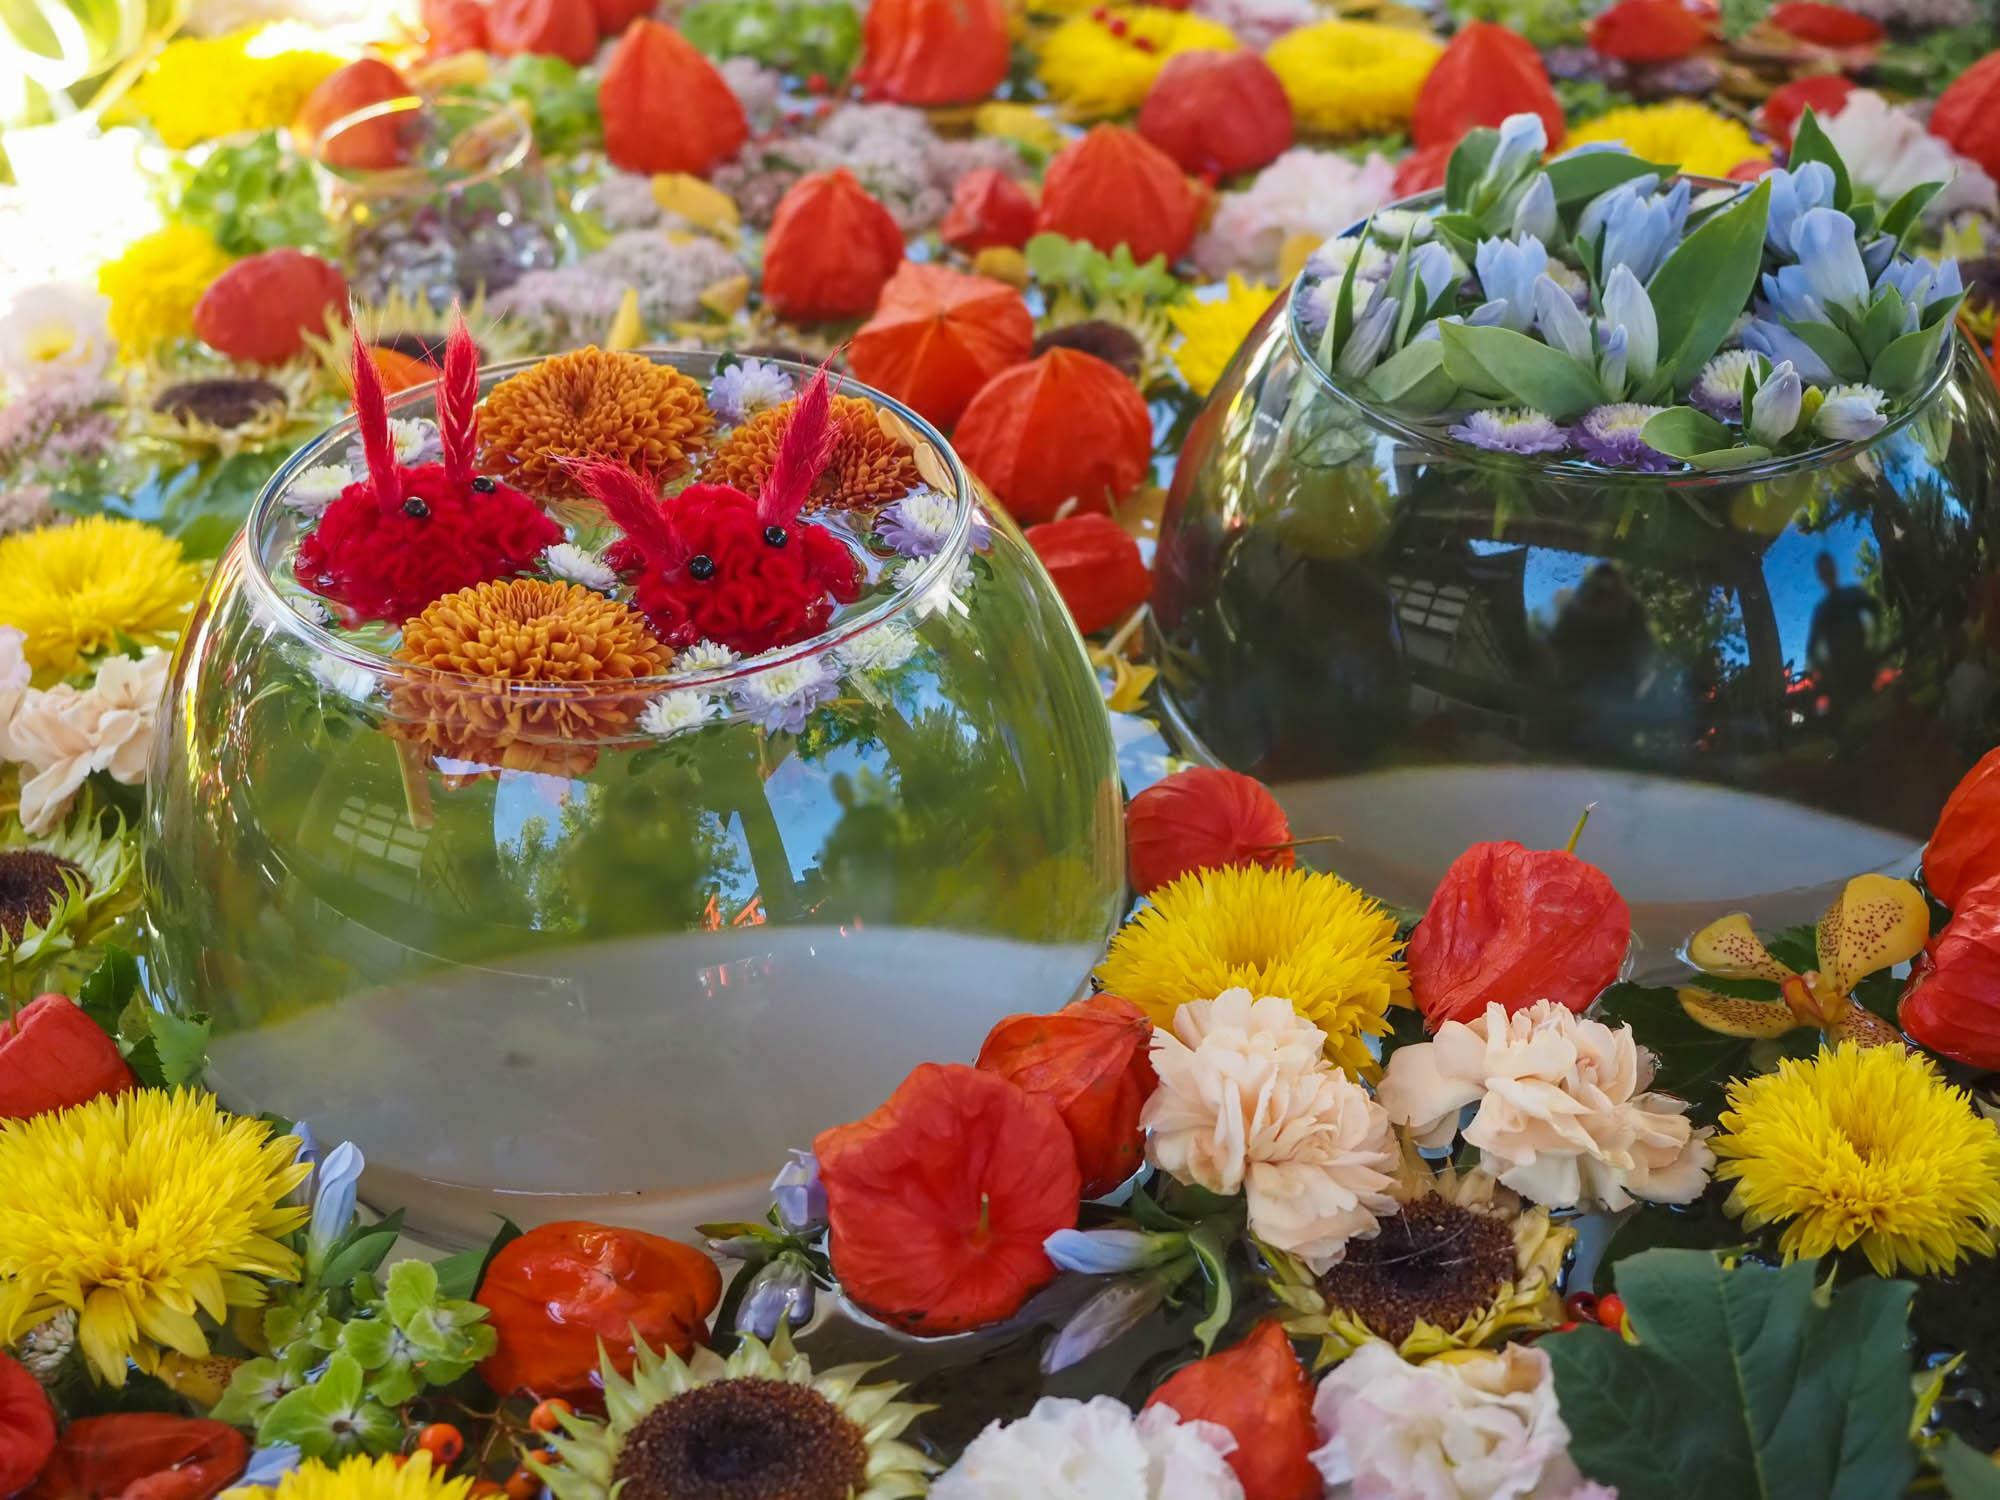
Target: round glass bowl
615, 971
1765, 681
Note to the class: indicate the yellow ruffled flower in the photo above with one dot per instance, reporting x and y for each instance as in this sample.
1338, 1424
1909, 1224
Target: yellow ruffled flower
75, 590
1212, 330
1692, 135
1863, 1146
1097, 67
202, 88
155, 285
138, 1211
1348, 78
387, 1477
1021, 123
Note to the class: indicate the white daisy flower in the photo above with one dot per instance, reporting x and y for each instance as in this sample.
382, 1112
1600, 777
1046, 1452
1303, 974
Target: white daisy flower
782, 696
702, 656
317, 488
882, 649
574, 564
676, 713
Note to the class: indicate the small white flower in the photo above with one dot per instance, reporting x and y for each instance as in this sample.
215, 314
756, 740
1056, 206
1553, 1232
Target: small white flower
676, 713
782, 696
313, 490
1066, 1449
882, 649
702, 656
574, 564
312, 609
45, 1347
344, 679
55, 329
1850, 412
942, 596
414, 439
746, 388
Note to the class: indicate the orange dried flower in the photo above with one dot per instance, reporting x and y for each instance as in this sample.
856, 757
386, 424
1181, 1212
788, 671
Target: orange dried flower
593, 403
1203, 818
1261, 1393
830, 249
868, 468
500, 636
1114, 187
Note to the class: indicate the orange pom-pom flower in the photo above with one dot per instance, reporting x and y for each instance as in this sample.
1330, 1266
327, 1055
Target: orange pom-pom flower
1486, 74
1218, 112
938, 335
1095, 566
1114, 187
831, 249
1203, 818
1647, 31
1262, 1394
1063, 426
665, 107
933, 51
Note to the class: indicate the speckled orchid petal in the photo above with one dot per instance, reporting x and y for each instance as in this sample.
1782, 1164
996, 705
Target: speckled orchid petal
1876, 924
1729, 949
1729, 1016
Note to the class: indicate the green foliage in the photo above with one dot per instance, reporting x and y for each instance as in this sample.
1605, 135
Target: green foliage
1546, 23
1695, 1064
1702, 288
1746, 1382
163, 1050
1968, 1474
1075, 266
815, 36
561, 101
1584, 99
1502, 364
255, 194
1740, 16
333, 1417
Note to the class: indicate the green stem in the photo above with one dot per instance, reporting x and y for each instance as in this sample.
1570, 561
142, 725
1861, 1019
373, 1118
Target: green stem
1576, 833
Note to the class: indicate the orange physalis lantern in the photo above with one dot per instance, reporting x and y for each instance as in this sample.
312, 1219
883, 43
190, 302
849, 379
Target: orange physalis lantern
933, 51
1095, 565
988, 208
1967, 115
1064, 426
1422, 170
665, 107
370, 144
938, 335
1647, 31
613, 16
1825, 94
1114, 187
1825, 25
1203, 818
556, 28
453, 26
1263, 1396
1486, 74
260, 310
1218, 112
1952, 1001
830, 251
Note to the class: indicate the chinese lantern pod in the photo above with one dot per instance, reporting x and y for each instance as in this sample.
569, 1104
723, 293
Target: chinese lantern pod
453, 26
938, 335
367, 145
1647, 31
1095, 566
1064, 426
1967, 115
1825, 25
1485, 75
988, 208
1218, 112
1114, 187
665, 107
933, 51
1825, 94
553, 28
613, 16
1422, 170
261, 309
831, 249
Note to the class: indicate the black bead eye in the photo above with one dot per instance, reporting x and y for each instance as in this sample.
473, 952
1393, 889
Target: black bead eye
701, 565
486, 484
414, 506
776, 536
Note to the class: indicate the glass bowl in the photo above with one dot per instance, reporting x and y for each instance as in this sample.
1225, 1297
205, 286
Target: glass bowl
1765, 681
616, 975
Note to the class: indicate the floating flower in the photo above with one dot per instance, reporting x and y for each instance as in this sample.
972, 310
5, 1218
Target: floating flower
569, 563
1303, 198
1487, 74
488, 655
360, 1477
1718, 389
940, 1200
747, 387
1101, 62
830, 251
1093, 1450
1114, 187
62, 735
919, 524
1518, 429
783, 697
702, 657
52, 1055
867, 468
1610, 435
1864, 1146
203, 88
568, 1299
938, 335
1204, 817
1348, 78
593, 404
1850, 413
677, 713
314, 489
933, 51
1563, 1117
139, 1210
1218, 113
155, 285
55, 329
881, 648
665, 107
56, 889
1064, 426
1248, 1103
1310, 937
1212, 329
1693, 135
1259, 1394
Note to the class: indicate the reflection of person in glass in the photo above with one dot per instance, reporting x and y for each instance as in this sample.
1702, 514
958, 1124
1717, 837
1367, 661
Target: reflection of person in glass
1601, 640
1840, 647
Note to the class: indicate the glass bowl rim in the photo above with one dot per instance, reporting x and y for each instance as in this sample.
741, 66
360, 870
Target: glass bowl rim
415, 181
268, 509
1441, 444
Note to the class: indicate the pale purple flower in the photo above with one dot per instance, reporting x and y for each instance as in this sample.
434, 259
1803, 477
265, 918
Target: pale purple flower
798, 1194
1718, 389
624, 200
45, 413
781, 1293
919, 524
1850, 412
25, 506
1106, 1252
1511, 430
746, 388
1609, 435
669, 275
562, 307
760, 90
415, 440
1257, 23
781, 698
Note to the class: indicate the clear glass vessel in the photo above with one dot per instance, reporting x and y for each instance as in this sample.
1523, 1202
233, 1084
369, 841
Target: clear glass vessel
616, 973
1765, 680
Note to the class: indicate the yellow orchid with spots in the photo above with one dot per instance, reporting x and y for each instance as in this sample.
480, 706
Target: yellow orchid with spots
1875, 924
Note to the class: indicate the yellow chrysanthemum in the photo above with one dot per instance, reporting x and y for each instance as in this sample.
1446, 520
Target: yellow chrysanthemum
388, 1477
137, 1211
1103, 63
74, 590
155, 284
1213, 329
1022, 124
1863, 1146
1349, 78
1313, 938
202, 88
1691, 135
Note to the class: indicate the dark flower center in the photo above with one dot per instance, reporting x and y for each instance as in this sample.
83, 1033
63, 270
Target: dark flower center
1111, 343
222, 402
1434, 1261
31, 885
749, 1439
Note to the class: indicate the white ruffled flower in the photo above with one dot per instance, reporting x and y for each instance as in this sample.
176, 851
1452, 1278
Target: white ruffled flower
56, 328
942, 596
574, 564
883, 649
1563, 1114
1094, 1450
64, 734
344, 679
1887, 149
1461, 1429
1303, 192
46, 1346
677, 713
1247, 1102
746, 388
702, 656
314, 489
781, 697
415, 440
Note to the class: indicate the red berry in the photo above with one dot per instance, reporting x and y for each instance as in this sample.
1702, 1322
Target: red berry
522, 1484
1101, 14
1611, 1311
1568, 1327
1144, 44
1119, 26
443, 1442
1581, 1305
816, 83
546, 1416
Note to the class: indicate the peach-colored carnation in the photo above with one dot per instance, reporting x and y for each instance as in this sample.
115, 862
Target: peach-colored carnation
1247, 1102
62, 735
1564, 1118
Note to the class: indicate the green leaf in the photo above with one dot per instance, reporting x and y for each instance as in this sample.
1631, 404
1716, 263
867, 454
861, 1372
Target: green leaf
1882, 324
1810, 143
1682, 432
412, 1289
1413, 379
1220, 1297
1908, 361
362, 1250
369, 1341
1578, 179
1701, 289
1833, 346
1968, 1473
1468, 160
182, 1046
1729, 458
109, 987
460, 1275
1904, 213
1744, 1383
1501, 363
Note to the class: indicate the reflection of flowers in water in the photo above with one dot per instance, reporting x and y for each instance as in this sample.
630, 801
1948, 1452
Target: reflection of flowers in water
678, 712
317, 487
781, 697
344, 679
940, 597
882, 649
919, 524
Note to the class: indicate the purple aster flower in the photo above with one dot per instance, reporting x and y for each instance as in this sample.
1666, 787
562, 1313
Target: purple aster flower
1609, 435
919, 524
1517, 429
1718, 389
746, 388
781, 698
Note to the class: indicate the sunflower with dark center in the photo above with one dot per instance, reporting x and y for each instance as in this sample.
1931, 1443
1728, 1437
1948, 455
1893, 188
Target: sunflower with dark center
757, 1426
57, 888
1461, 1263
229, 413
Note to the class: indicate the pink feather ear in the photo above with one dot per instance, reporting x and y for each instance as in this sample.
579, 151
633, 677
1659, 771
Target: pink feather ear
371, 416
633, 504
803, 454
457, 403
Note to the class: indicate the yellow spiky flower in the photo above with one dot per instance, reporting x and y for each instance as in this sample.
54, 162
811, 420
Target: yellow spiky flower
154, 284
74, 590
388, 1477
203, 88
1678, 132
1103, 62
1313, 938
139, 1211
1213, 329
1863, 1146
1348, 78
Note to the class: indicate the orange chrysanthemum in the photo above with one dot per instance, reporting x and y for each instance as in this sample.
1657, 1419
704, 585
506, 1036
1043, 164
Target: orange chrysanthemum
516, 634
593, 403
868, 469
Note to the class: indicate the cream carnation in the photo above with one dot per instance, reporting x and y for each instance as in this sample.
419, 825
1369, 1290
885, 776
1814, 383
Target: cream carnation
62, 735
1094, 1450
1888, 150
1247, 1102
1563, 1117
